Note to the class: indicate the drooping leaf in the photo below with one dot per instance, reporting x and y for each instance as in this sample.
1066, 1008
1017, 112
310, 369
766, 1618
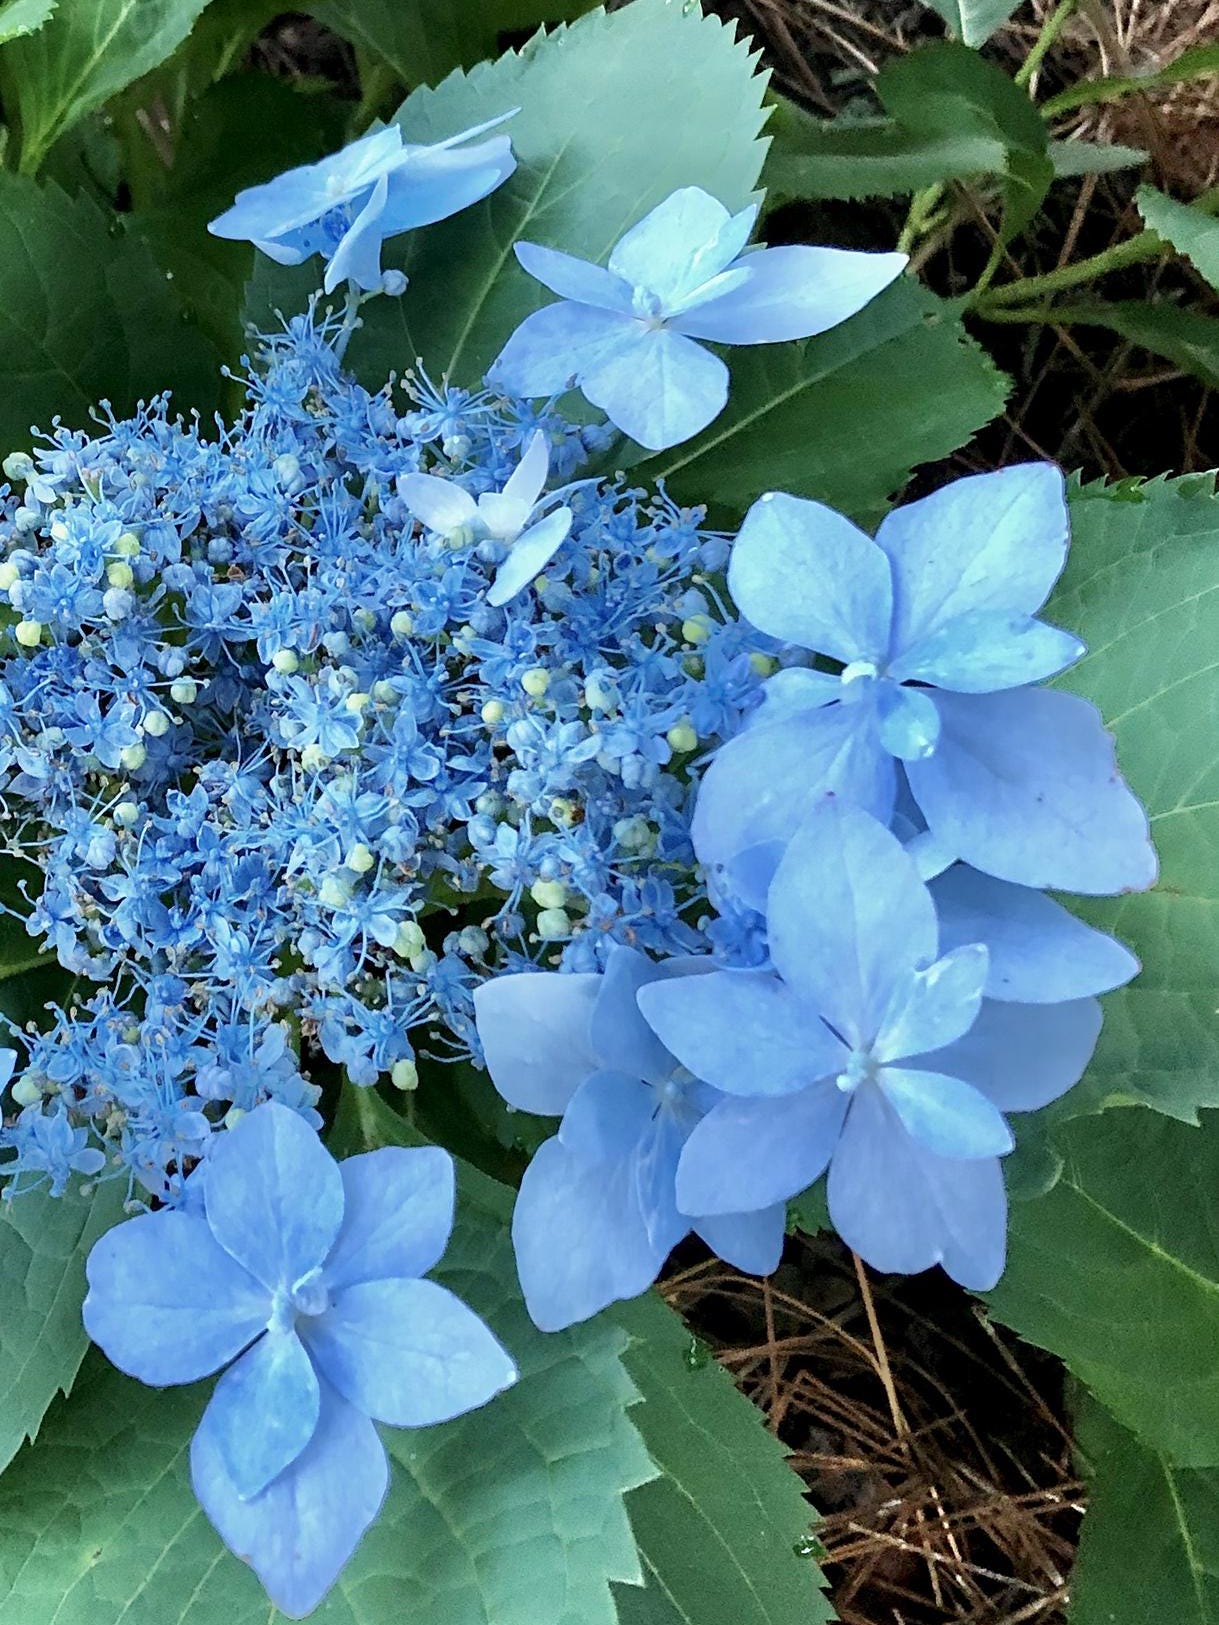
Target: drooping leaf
974, 21
85, 53
44, 1241
844, 417
1149, 1551
1190, 230
723, 1530
1141, 588
85, 315
606, 130
19, 17
945, 86
423, 40
1116, 1270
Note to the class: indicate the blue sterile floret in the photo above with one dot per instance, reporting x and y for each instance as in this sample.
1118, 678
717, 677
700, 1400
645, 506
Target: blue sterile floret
344, 206
933, 626
597, 1213
304, 1278
292, 773
626, 333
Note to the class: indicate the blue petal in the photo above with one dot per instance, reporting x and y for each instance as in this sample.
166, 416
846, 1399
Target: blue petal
1023, 785
166, 1303
985, 650
397, 1215
1039, 952
1022, 1056
908, 722
441, 505
749, 1154
617, 1030
804, 574
358, 257
849, 919
581, 1240
655, 1169
300, 196
679, 245
990, 541
609, 1115
743, 1031
534, 1030
935, 1006
264, 1412
407, 1352
436, 182
529, 555
792, 293
903, 1209
763, 783
574, 279
656, 386
795, 689
552, 348
752, 1242
274, 1195
945, 1115
298, 1534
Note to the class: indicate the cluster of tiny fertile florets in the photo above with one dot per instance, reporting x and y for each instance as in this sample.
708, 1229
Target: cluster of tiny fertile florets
288, 788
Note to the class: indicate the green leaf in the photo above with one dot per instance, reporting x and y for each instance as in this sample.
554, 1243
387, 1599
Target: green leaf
721, 1531
19, 17
1071, 158
607, 129
1149, 1551
1198, 63
974, 21
854, 158
1190, 230
44, 1241
423, 40
1141, 588
946, 86
514, 1514
87, 52
844, 417
1116, 1270
85, 315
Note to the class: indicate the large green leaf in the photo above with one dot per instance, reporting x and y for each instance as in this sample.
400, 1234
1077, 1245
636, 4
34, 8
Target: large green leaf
1141, 588
1149, 1552
19, 17
85, 315
844, 417
87, 52
974, 21
43, 1244
423, 40
615, 113
1190, 230
1116, 1270
721, 1532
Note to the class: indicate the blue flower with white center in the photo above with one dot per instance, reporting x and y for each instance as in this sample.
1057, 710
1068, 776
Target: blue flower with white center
307, 1274
934, 624
597, 1213
625, 333
499, 516
346, 205
864, 1051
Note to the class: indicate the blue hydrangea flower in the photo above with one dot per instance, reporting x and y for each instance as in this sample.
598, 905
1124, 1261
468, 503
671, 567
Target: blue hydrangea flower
346, 205
597, 1213
307, 1275
934, 625
864, 1051
504, 517
625, 334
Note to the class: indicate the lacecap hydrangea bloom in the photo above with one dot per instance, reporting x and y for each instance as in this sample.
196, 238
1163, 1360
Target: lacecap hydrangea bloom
597, 1214
863, 1048
344, 206
306, 1275
934, 628
626, 333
